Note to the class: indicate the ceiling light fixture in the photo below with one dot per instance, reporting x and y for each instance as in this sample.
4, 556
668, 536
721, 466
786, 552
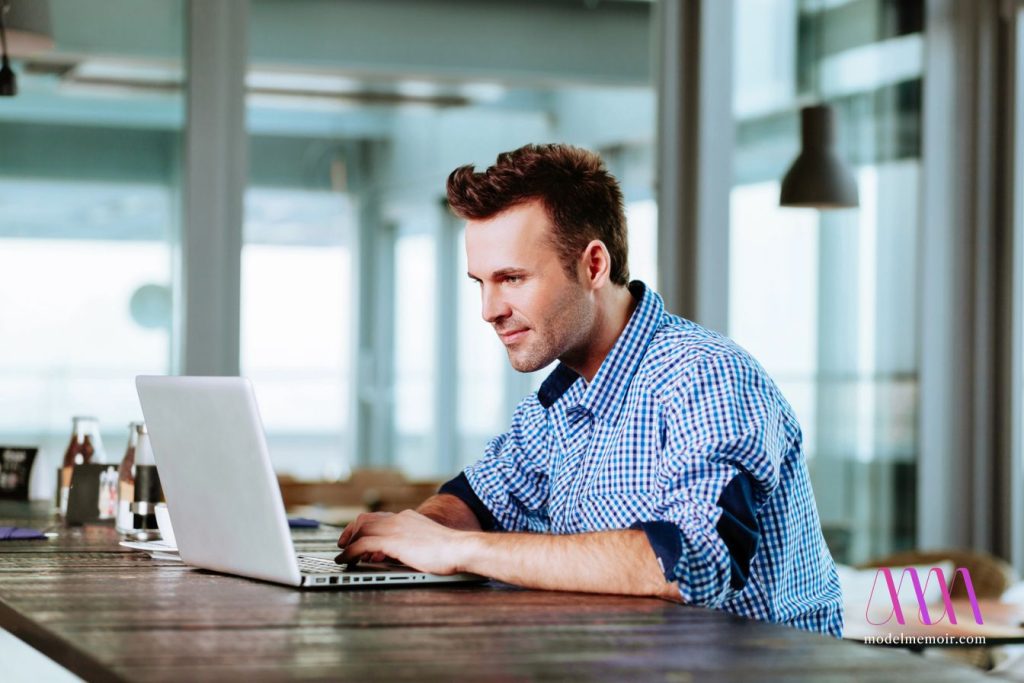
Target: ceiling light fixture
8, 81
818, 178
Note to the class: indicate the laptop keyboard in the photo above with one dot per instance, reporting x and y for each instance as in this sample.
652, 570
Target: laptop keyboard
319, 565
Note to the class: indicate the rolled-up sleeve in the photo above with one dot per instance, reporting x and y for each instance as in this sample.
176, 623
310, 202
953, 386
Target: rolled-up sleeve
724, 443
511, 479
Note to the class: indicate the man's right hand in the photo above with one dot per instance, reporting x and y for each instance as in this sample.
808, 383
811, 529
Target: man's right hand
352, 530
443, 508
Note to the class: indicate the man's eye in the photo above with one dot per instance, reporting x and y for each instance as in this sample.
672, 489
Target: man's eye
513, 279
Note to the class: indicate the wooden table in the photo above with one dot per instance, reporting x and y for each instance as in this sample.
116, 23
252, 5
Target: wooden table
107, 613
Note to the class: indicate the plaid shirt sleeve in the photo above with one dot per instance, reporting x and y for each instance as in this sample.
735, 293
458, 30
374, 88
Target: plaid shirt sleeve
724, 443
511, 479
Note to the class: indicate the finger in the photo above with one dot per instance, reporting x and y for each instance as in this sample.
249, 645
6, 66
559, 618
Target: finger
349, 530
350, 561
374, 527
362, 546
353, 528
361, 524
343, 538
370, 528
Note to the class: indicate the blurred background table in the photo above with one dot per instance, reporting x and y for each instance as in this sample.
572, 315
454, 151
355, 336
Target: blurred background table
366, 490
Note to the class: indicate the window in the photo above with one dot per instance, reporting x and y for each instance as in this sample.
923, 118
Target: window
416, 314
88, 224
347, 240
357, 326
296, 323
827, 301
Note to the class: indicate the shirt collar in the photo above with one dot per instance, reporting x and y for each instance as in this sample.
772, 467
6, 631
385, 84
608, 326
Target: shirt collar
603, 396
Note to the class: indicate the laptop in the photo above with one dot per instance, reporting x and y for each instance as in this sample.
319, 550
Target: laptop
223, 497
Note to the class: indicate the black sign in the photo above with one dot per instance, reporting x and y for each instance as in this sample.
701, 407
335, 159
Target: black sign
93, 495
15, 468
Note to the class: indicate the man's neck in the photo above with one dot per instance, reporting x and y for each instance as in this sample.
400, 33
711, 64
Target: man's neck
612, 318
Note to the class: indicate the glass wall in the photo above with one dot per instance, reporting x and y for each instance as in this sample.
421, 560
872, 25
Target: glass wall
88, 223
828, 301
348, 245
297, 304
416, 325
359, 329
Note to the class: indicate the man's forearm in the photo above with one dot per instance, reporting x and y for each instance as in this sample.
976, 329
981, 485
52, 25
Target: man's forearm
449, 511
620, 562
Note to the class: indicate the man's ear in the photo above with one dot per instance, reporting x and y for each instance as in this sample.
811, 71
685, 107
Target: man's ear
597, 264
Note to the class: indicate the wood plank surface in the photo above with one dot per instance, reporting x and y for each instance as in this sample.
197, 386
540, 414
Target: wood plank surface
108, 613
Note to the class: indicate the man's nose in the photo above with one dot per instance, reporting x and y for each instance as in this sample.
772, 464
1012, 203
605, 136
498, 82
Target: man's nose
493, 306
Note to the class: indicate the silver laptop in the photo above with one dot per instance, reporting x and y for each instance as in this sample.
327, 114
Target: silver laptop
223, 498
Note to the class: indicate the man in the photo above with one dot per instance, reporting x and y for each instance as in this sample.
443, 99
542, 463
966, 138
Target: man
657, 459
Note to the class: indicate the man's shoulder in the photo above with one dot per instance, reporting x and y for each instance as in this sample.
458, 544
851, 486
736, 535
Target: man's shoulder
687, 365
529, 412
681, 351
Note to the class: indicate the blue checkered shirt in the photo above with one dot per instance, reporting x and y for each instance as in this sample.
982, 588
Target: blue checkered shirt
683, 435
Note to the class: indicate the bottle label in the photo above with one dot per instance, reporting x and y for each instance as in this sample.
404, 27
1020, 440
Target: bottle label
107, 503
65, 490
125, 518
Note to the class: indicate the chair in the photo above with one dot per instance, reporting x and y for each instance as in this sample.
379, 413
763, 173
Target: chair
371, 489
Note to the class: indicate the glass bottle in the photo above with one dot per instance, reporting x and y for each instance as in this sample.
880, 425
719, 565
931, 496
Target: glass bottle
147, 492
85, 447
126, 479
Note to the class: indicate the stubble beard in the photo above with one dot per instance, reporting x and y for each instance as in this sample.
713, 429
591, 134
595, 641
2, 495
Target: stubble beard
563, 333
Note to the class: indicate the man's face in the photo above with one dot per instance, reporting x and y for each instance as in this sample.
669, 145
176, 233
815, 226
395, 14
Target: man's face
539, 313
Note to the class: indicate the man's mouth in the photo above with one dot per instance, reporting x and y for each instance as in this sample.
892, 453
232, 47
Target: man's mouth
512, 336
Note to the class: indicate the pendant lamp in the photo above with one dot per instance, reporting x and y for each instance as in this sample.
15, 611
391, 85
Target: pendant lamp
818, 178
8, 81
25, 31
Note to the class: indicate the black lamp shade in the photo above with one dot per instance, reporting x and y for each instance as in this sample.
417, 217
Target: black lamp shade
8, 82
818, 178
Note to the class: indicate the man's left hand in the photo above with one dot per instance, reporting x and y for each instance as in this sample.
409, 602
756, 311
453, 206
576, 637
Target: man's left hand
408, 537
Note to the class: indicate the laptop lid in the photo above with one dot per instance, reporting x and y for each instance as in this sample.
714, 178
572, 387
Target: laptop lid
222, 495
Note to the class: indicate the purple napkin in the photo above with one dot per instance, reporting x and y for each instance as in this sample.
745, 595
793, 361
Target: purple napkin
18, 533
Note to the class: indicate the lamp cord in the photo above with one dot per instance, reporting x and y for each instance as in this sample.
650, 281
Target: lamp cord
4, 8
817, 29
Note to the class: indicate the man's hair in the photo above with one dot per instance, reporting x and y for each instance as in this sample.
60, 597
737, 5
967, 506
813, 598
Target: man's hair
581, 197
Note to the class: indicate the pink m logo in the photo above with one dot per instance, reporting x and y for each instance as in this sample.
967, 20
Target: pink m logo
894, 595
